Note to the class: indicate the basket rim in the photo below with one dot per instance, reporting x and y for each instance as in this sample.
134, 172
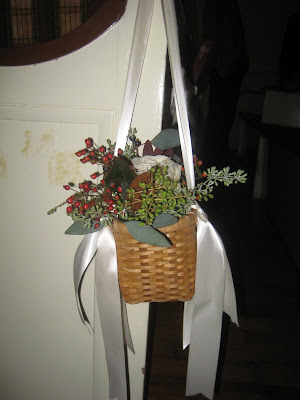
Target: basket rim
184, 221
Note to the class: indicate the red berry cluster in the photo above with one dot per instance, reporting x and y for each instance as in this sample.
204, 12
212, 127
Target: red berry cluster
93, 200
198, 172
97, 155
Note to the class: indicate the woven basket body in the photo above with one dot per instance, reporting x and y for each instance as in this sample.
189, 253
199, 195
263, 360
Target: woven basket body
149, 273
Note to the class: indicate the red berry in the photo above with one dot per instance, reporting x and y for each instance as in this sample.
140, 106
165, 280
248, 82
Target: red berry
119, 189
92, 153
69, 209
102, 182
94, 176
120, 151
70, 200
78, 153
97, 225
204, 175
117, 197
102, 149
80, 185
89, 142
86, 186
83, 160
112, 185
115, 211
110, 156
94, 189
107, 190
200, 162
111, 202
105, 159
67, 187
76, 204
110, 208
86, 206
83, 152
87, 158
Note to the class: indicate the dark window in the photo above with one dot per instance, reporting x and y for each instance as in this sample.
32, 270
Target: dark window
28, 22
27, 26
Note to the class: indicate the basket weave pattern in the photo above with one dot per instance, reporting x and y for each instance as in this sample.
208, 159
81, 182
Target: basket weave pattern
149, 273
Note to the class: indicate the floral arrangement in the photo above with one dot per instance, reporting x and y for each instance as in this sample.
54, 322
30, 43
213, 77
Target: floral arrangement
145, 192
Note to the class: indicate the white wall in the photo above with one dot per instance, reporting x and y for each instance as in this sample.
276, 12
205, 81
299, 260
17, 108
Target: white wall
46, 111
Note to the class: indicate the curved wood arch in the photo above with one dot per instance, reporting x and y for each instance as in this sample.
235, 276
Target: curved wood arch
109, 13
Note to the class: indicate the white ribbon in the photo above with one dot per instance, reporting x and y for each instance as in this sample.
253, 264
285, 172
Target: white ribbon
214, 291
136, 61
179, 93
112, 309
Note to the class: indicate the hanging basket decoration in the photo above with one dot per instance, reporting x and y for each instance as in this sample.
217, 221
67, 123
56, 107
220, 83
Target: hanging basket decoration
143, 224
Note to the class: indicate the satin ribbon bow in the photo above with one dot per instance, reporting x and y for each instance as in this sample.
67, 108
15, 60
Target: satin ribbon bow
214, 293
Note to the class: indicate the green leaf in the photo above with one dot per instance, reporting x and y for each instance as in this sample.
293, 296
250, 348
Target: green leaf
147, 234
124, 186
166, 139
79, 229
164, 219
122, 170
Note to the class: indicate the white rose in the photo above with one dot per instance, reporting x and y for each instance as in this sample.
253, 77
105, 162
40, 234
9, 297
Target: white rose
145, 163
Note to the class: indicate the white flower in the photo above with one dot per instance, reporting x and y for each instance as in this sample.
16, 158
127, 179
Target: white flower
145, 163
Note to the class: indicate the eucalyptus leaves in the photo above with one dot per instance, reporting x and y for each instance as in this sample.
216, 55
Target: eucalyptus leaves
146, 193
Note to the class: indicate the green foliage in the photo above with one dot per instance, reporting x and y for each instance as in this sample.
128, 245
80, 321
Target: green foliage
164, 219
166, 138
121, 170
147, 234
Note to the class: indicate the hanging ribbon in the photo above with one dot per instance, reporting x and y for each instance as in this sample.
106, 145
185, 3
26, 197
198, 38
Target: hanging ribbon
112, 309
179, 93
202, 324
214, 291
136, 61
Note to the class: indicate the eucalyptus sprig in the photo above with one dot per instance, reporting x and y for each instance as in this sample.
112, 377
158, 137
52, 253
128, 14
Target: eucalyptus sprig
213, 177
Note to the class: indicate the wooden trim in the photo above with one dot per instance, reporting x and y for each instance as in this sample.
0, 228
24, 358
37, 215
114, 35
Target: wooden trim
109, 13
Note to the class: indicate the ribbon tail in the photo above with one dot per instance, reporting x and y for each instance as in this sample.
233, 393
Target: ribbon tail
187, 323
83, 257
126, 329
229, 296
110, 311
208, 306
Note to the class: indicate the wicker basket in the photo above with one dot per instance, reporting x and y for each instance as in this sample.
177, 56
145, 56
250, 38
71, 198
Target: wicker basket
149, 273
